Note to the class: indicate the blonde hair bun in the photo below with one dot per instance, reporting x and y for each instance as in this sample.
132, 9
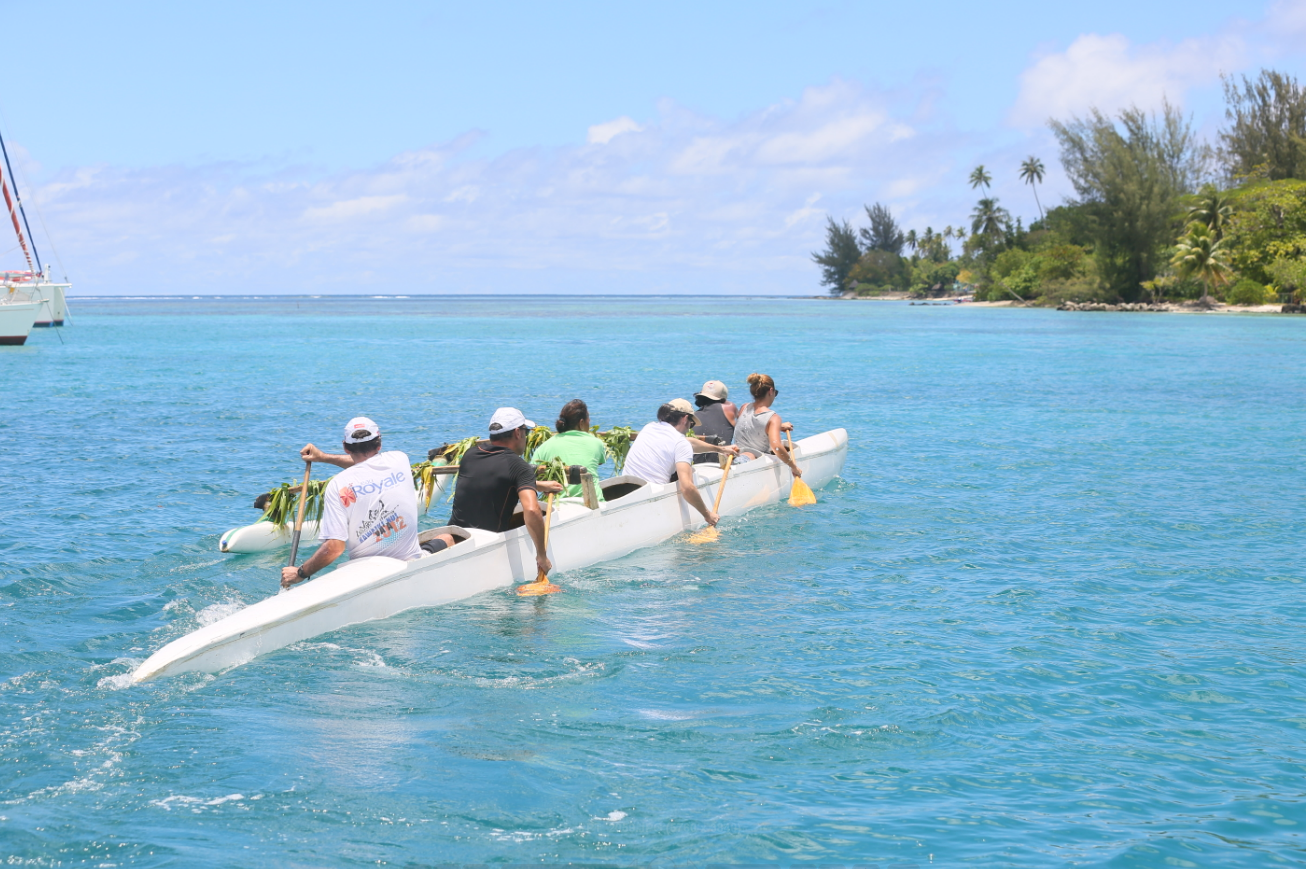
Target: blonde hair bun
760, 384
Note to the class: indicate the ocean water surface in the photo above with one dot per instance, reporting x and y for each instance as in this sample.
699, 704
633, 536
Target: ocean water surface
1050, 615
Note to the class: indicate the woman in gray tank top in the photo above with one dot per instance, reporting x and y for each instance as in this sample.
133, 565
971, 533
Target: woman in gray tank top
758, 428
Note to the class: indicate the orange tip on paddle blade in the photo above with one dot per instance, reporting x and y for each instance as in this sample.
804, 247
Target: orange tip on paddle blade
536, 588
801, 495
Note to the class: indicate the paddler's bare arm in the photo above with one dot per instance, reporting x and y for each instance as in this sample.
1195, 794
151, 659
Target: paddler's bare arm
773, 428
328, 552
705, 447
311, 453
530, 508
688, 491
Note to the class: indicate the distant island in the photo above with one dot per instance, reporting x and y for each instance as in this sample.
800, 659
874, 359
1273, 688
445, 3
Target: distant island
1161, 219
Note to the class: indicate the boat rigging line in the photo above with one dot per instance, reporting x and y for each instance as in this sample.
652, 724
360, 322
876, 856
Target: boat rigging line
9, 170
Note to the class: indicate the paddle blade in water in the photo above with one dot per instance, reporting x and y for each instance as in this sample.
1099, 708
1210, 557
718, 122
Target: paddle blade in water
538, 587
801, 495
707, 535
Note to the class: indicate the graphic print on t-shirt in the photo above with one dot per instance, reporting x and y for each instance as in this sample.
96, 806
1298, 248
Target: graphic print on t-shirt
372, 506
380, 524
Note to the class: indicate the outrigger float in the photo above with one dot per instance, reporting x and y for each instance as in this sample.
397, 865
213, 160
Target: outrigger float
636, 514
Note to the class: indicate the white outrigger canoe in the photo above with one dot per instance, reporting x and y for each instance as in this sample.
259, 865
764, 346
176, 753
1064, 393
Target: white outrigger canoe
636, 515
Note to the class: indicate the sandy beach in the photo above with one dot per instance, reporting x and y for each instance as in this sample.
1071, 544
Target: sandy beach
1097, 307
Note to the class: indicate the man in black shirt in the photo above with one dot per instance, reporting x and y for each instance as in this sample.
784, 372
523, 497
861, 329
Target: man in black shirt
493, 478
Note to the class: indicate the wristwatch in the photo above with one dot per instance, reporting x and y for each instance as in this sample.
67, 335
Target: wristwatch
300, 570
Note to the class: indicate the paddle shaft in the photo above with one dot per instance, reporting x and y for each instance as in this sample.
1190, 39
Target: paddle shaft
548, 519
299, 514
790, 439
721, 490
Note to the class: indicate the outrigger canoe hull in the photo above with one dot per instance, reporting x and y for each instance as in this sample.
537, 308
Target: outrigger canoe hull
377, 587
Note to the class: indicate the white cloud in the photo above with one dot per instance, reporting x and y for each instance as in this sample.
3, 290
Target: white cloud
1287, 18
807, 212
601, 134
1110, 72
427, 222
687, 200
351, 208
831, 140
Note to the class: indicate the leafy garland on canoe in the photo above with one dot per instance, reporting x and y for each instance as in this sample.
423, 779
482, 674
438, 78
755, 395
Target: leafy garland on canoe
279, 504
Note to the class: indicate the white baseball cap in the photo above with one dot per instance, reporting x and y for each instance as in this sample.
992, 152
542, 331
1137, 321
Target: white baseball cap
360, 430
715, 390
506, 419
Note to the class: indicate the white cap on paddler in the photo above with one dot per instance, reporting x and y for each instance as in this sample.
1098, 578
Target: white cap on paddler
679, 405
506, 419
714, 390
360, 430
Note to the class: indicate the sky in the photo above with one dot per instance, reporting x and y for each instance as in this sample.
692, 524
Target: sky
674, 147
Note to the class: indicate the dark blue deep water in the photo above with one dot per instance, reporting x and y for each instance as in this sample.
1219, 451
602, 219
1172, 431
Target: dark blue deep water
1051, 614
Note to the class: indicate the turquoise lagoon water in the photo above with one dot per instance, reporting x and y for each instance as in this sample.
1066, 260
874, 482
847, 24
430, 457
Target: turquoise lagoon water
1051, 614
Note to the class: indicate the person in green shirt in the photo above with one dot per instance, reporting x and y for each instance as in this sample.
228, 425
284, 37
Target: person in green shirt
574, 444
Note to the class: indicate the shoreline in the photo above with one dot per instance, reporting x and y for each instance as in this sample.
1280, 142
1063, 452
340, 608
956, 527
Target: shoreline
1085, 307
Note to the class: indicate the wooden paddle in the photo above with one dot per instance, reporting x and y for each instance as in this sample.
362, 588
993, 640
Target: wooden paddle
800, 494
710, 533
299, 513
541, 585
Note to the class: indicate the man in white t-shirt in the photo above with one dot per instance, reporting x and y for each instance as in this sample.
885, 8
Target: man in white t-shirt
369, 508
661, 450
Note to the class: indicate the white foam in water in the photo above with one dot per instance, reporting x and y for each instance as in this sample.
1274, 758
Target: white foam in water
200, 565
612, 816
196, 804
217, 612
110, 747
115, 683
120, 680
660, 715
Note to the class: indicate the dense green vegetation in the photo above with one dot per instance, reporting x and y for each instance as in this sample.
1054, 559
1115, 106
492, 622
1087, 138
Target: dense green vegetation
1157, 215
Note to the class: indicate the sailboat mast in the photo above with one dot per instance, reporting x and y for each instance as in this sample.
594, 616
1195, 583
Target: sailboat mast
9, 170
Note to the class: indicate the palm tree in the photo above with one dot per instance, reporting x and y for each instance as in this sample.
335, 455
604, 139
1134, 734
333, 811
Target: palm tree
988, 219
911, 239
980, 178
1199, 254
1212, 209
1031, 172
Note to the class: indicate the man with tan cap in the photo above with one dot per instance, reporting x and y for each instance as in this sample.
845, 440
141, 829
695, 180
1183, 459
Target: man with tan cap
716, 419
493, 478
661, 450
369, 508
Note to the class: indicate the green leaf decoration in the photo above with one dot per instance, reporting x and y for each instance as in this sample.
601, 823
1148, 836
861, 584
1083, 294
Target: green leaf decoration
616, 441
536, 438
554, 469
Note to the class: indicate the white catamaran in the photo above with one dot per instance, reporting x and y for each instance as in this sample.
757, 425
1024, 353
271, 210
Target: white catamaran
636, 514
17, 315
32, 289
